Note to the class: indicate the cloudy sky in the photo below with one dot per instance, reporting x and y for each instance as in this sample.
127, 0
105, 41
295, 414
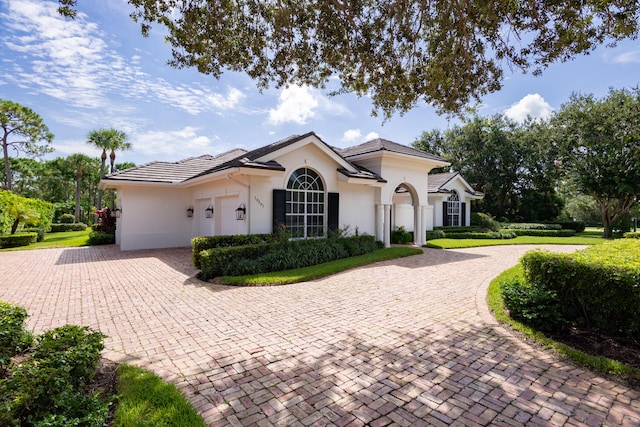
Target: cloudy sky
97, 71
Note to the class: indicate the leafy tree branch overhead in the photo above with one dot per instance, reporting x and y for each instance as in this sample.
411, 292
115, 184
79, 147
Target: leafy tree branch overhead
399, 52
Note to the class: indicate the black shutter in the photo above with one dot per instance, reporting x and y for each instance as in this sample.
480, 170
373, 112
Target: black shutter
445, 216
333, 210
279, 209
463, 214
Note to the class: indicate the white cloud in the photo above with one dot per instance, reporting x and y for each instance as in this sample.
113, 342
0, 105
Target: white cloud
174, 145
354, 136
532, 105
71, 60
632, 56
295, 104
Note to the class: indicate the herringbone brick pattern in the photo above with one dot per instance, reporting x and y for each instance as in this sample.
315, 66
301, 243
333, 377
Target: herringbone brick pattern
407, 342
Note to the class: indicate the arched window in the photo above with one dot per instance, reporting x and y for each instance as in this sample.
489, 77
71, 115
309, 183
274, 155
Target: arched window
453, 209
305, 207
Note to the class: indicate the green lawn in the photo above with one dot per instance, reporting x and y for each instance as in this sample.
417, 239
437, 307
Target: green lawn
587, 237
67, 239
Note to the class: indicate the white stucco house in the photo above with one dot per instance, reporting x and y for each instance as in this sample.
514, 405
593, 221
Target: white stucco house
451, 196
300, 182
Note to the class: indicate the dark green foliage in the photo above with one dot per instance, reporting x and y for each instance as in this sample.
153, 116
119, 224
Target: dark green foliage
16, 240
106, 223
543, 233
459, 229
484, 220
435, 234
530, 226
98, 238
599, 287
41, 232
535, 306
13, 337
67, 219
60, 228
200, 244
577, 226
278, 256
400, 236
481, 235
46, 388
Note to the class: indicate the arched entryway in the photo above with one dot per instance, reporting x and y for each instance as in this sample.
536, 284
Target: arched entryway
404, 210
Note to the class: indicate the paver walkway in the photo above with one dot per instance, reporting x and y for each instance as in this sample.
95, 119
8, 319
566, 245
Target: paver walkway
403, 342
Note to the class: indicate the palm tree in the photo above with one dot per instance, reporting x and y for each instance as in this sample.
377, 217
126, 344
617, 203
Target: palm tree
107, 139
78, 162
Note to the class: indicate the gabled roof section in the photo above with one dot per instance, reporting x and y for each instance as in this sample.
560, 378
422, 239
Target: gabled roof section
439, 183
379, 144
173, 172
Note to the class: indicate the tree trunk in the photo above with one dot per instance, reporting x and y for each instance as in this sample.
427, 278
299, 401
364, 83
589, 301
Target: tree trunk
7, 167
14, 227
78, 180
608, 231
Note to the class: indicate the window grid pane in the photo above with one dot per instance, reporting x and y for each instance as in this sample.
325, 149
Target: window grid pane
305, 204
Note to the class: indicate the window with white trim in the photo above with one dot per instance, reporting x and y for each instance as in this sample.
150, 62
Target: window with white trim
305, 205
453, 209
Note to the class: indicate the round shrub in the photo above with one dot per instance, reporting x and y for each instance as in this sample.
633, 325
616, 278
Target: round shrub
67, 219
532, 305
483, 220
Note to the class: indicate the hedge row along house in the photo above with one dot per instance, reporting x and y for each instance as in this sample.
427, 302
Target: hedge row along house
300, 184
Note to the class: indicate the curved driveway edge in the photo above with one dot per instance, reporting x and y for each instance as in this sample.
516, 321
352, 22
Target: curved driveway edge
402, 342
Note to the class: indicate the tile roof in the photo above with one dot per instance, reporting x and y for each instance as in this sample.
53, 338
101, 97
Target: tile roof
437, 180
173, 172
380, 144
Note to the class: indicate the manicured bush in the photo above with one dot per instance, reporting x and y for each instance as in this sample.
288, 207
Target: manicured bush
632, 235
460, 229
598, 286
530, 226
435, 234
577, 226
98, 238
400, 236
16, 240
542, 233
484, 221
39, 231
532, 305
13, 336
480, 235
61, 228
200, 244
279, 255
67, 219
47, 387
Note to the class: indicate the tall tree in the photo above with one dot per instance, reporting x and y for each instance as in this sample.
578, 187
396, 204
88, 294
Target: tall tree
601, 138
79, 163
511, 163
107, 139
24, 131
399, 52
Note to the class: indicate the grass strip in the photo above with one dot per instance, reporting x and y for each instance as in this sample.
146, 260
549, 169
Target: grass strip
65, 239
579, 239
320, 270
145, 400
598, 364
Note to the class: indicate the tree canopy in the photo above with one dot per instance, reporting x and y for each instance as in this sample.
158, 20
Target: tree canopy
399, 52
24, 131
601, 140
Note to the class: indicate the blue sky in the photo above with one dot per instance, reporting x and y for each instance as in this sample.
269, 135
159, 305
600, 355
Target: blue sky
99, 72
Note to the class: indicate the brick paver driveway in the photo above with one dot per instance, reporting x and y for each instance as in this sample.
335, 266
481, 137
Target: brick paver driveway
403, 342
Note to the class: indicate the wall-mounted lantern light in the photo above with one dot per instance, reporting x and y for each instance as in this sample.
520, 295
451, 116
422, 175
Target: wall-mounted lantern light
116, 212
241, 212
190, 212
209, 212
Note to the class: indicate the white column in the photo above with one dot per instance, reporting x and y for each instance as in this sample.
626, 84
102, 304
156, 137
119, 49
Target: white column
380, 222
418, 233
387, 226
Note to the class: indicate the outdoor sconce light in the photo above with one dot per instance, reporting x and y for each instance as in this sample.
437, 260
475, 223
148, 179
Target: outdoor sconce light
190, 212
241, 212
208, 212
116, 212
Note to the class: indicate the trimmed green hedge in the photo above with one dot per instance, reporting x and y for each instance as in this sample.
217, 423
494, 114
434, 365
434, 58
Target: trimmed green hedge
530, 226
544, 233
481, 235
459, 229
632, 235
99, 238
16, 240
598, 287
577, 226
62, 227
281, 255
200, 244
